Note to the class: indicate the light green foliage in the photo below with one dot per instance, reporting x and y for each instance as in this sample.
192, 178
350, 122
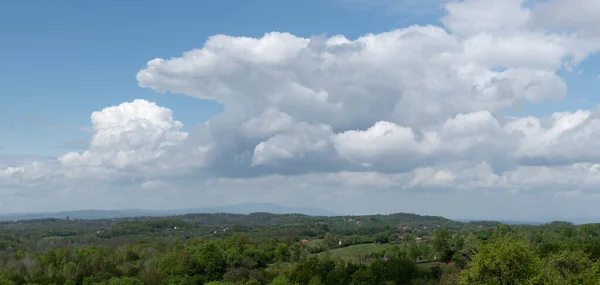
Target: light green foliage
503, 261
570, 267
588, 231
470, 244
211, 261
503, 230
358, 252
233, 257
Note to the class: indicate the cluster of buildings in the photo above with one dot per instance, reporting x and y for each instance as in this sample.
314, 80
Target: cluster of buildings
224, 230
351, 220
404, 238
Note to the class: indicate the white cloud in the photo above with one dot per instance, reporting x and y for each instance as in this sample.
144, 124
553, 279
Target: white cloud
581, 16
269, 123
305, 139
406, 114
472, 17
382, 141
567, 137
402, 76
403, 79
28, 174
132, 133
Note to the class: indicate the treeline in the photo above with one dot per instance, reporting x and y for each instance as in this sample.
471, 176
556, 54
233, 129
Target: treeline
505, 256
295, 249
233, 260
256, 223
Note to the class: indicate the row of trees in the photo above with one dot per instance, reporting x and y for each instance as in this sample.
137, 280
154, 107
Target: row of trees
512, 260
152, 252
503, 259
232, 260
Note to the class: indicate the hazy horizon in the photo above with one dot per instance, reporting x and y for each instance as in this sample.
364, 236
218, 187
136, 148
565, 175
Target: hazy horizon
246, 208
453, 108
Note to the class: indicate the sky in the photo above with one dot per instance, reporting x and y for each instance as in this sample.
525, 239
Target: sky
460, 108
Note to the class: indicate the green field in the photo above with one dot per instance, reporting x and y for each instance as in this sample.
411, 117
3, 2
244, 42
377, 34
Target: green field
54, 238
352, 253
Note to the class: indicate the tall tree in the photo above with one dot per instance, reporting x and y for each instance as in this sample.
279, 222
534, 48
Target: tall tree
442, 243
503, 261
570, 267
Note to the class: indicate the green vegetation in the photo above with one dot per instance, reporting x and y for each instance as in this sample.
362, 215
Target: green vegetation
359, 252
265, 249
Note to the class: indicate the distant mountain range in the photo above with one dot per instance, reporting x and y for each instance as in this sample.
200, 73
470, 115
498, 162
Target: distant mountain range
245, 208
504, 222
574, 220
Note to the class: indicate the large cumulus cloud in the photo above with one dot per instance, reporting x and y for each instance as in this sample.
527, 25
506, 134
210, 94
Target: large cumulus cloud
396, 100
137, 138
334, 121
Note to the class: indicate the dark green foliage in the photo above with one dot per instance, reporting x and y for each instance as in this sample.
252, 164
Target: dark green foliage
125, 281
261, 249
459, 260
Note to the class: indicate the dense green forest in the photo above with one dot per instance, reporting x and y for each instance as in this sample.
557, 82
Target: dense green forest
263, 248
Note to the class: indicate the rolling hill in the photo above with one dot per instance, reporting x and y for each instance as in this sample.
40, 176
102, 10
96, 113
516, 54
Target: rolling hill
245, 208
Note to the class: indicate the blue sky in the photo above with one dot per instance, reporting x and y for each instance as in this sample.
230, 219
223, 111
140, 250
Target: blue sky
63, 60
416, 68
